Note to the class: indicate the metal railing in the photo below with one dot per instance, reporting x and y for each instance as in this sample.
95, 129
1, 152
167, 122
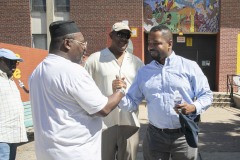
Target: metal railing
233, 84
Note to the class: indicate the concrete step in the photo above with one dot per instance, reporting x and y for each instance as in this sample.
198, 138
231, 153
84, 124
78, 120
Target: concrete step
221, 95
222, 104
222, 100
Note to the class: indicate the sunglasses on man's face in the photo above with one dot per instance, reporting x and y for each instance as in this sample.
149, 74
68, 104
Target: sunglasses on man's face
123, 35
10, 63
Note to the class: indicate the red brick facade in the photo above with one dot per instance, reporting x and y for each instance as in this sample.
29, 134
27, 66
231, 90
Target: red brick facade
95, 19
227, 41
15, 26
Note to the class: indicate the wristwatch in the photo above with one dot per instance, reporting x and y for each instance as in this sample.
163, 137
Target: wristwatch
122, 90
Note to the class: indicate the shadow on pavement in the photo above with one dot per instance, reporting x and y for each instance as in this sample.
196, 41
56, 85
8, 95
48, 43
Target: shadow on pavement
220, 137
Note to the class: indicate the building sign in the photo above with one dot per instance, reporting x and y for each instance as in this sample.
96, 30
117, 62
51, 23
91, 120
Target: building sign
180, 39
182, 15
134, 32
238, 54
189, 42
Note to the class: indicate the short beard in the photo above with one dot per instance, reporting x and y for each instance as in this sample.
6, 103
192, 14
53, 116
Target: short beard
156, 58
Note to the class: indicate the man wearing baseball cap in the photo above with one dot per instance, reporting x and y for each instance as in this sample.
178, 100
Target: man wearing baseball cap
12, 129
120, 136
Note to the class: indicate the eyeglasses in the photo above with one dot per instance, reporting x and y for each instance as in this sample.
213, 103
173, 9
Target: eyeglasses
123, 35
81, 43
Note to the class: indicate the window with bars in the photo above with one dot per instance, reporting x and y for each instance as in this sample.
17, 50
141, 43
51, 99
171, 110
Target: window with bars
39, 41
62, 5
38, 5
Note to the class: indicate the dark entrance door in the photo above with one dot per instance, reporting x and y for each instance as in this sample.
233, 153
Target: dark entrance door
200, 48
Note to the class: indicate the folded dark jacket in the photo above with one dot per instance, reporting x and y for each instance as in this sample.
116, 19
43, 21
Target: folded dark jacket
190, 130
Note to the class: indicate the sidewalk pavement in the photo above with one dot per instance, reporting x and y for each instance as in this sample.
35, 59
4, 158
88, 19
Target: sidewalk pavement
220, 134
219, 137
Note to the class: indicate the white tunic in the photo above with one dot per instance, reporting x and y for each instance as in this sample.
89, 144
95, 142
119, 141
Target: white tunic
103, 67
63, 97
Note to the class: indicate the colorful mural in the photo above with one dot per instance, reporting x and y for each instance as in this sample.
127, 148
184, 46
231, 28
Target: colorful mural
186, 16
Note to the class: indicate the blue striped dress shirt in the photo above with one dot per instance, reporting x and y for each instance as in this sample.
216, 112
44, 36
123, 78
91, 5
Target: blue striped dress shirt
156, 84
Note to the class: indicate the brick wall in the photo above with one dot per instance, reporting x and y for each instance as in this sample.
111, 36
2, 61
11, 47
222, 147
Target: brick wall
95, 19
32, 57
227, 40
15, 22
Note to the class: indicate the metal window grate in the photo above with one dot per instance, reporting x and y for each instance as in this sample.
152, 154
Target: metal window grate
62, 5
38, 5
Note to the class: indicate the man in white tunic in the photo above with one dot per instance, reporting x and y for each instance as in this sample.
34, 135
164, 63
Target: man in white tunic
120, 136
66, 103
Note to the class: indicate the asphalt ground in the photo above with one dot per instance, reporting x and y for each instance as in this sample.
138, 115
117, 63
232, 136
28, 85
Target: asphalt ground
219, 137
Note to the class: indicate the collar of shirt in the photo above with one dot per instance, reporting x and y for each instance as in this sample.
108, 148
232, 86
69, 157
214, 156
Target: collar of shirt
3, 74
127, 55
168, 60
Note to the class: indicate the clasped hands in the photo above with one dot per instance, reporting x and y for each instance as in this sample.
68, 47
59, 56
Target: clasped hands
118, 83
184, 107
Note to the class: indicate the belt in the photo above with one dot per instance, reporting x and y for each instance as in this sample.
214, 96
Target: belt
166, 130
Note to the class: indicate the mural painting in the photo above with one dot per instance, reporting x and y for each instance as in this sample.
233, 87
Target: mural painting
185, 16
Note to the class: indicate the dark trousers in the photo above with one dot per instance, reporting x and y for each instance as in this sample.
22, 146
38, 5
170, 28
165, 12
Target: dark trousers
160, 145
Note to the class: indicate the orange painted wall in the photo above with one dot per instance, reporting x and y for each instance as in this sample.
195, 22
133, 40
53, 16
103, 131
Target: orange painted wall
32, 57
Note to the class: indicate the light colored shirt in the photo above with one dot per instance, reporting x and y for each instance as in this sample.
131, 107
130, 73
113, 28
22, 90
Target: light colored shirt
12, 129
103, 67
64, 98
157, 84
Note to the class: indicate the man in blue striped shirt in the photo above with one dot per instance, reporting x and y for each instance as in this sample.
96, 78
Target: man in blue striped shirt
157, 82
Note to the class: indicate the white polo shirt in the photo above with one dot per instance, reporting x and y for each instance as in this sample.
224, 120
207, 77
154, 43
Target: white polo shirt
103, 67
63, 98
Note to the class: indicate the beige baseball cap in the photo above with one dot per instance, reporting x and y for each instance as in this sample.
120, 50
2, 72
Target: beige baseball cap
120, 26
